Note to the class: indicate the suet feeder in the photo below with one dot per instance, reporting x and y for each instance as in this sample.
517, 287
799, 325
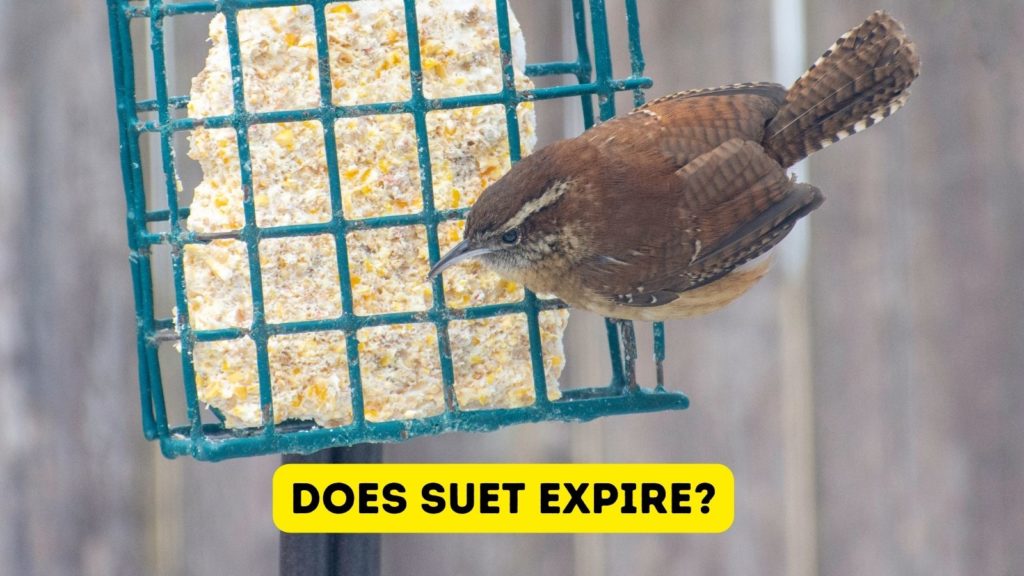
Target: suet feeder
216, 435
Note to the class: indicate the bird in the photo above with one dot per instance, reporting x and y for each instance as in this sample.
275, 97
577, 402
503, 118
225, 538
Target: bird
672, 210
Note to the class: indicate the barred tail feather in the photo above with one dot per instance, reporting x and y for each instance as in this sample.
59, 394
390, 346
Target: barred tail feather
861, 80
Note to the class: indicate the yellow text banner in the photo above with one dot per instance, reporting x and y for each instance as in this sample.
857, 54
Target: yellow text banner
472, 498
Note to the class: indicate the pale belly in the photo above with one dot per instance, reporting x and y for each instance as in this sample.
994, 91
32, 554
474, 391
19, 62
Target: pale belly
696, 302
703, 300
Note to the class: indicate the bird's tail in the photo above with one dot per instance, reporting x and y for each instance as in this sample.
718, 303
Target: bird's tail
861, 80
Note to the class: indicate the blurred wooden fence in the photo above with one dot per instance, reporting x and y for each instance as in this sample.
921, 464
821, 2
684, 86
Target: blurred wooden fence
872, 408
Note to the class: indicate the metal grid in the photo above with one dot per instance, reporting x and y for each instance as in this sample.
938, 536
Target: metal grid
212, 441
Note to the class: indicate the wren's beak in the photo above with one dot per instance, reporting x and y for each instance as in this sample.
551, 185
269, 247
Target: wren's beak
461, 251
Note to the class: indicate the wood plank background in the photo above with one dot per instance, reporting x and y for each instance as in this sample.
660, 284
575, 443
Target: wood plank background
872, 408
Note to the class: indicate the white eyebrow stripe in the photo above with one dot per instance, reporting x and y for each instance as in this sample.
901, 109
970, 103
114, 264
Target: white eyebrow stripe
549, 197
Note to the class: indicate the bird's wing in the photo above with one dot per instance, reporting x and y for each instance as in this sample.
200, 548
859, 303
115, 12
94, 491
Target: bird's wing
682, 126
732, 204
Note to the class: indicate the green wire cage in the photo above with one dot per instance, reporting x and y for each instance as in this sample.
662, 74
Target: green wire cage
212, 440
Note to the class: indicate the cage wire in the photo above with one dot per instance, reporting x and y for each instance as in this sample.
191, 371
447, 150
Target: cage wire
214, 441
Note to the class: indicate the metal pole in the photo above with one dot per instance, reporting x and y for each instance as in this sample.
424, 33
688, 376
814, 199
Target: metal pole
332, 554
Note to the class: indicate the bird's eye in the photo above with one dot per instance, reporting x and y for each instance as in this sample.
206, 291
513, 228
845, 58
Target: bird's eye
510, 237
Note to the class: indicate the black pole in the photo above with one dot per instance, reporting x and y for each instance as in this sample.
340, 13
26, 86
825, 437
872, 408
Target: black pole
332, 554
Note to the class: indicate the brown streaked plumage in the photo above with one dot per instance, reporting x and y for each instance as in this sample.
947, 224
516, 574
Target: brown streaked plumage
664, 213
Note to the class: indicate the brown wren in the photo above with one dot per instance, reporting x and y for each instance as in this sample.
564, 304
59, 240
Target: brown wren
665, 212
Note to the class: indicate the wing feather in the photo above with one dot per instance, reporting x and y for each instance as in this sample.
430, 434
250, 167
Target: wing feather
734, 203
